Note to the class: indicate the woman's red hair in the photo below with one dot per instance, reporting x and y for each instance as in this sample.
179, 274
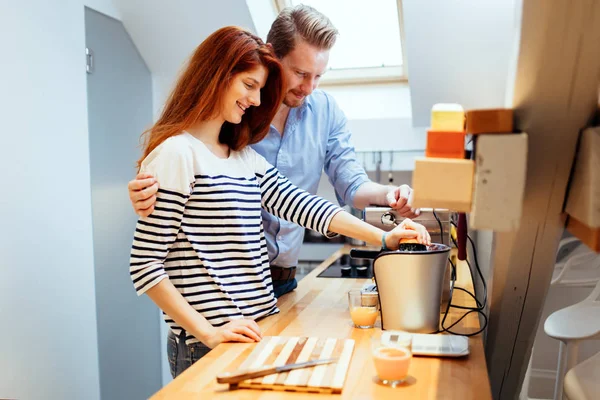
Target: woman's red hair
198, 92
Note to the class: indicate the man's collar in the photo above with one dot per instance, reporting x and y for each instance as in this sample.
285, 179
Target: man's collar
308, 102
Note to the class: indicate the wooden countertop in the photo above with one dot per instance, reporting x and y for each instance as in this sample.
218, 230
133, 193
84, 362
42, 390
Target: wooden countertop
319, 307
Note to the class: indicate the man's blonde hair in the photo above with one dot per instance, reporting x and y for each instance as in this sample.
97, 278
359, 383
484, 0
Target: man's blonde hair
303, 22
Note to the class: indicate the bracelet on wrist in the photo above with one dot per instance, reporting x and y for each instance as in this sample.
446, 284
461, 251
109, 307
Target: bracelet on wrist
383, 244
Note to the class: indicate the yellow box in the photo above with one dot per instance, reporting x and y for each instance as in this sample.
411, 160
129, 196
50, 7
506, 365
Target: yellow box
443, 183
447, 117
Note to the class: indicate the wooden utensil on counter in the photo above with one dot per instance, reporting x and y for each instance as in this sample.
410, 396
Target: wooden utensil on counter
242, 375
280, 351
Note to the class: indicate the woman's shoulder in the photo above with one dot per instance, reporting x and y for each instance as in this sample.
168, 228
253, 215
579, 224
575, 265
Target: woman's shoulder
179, 143
172, 164
251, 155
247, 152
174, 147
254, 161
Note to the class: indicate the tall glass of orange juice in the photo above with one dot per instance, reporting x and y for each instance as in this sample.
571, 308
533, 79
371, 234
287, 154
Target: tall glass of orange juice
364, 308
392, 352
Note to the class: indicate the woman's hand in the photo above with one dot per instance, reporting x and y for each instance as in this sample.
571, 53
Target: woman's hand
407, 229
238, 330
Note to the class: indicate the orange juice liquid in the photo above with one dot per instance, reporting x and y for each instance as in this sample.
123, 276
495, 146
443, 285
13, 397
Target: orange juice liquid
391, 363
363, 316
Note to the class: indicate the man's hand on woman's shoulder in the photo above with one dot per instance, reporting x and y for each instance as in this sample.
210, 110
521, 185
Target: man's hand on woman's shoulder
142, 193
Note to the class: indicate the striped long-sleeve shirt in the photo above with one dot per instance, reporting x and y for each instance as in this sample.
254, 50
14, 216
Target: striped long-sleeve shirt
206, 232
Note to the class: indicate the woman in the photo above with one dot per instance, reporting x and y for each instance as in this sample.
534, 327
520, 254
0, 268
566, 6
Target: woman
201, 255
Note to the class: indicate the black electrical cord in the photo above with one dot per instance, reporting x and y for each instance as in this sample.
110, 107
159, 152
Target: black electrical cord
478, 270
480, 305
453, 277
470, 294
441, 227
447, 329
454, 241
442, 240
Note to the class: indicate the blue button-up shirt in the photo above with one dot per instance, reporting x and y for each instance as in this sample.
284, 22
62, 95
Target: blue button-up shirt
315, 138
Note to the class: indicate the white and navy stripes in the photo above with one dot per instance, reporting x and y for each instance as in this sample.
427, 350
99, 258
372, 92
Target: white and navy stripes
206, 233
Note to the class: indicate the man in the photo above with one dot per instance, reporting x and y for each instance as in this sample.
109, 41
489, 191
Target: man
307, 135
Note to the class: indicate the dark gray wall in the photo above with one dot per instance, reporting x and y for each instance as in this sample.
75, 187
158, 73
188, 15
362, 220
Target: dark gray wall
120, 108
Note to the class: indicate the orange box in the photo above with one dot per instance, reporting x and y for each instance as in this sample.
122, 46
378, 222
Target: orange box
442, 144
496, 120
589, 236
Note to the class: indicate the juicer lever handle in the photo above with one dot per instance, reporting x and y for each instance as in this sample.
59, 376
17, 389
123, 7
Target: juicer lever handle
369, 254
461, 236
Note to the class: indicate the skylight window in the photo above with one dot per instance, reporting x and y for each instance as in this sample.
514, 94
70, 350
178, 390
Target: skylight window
369, 47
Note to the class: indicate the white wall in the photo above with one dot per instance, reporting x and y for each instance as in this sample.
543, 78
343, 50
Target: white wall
458, 52
107, 7
380, 119
48, 343
374, 101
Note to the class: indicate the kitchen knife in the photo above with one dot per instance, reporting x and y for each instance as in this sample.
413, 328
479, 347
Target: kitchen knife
239, 376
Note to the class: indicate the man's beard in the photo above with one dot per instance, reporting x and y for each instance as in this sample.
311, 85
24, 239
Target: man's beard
294, 102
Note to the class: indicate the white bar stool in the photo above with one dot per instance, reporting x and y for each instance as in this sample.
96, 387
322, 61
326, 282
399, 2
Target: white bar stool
570, 326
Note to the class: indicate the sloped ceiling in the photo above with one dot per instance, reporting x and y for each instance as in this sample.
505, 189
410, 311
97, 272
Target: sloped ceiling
166, 32
457, 51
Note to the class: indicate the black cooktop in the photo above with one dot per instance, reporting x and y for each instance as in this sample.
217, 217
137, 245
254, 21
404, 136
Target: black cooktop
345, 267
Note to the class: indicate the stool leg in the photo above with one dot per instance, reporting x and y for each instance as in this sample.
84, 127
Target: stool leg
561, 370
572, 351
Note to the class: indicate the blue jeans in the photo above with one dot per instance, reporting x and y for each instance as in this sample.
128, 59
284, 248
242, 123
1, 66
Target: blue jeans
282, 287
182, 356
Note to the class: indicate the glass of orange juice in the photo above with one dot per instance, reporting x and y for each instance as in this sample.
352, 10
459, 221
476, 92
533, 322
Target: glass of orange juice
392, 352
364, 308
